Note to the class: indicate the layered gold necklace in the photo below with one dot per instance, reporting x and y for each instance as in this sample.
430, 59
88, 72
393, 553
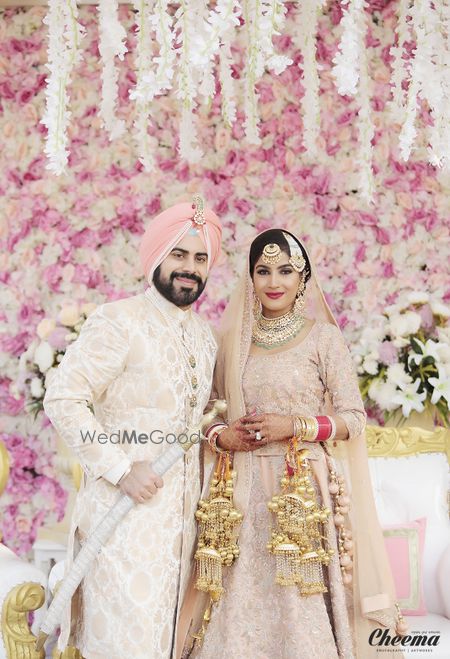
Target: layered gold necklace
273, 332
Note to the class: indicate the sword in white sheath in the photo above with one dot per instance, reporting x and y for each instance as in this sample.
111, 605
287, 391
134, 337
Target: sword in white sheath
106, 526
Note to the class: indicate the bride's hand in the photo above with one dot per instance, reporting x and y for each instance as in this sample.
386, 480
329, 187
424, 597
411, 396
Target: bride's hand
272, 427
236, 438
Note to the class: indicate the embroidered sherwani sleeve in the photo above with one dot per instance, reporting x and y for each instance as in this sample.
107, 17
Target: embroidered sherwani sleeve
89, 366
339, 376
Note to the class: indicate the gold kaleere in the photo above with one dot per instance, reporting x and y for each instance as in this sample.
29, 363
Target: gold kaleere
297, 542
217, 546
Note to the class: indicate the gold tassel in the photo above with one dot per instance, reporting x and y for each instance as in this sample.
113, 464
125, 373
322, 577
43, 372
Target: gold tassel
217, 546
297, 542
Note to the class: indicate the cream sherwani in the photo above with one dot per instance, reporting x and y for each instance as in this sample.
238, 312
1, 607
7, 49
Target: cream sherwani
126, 366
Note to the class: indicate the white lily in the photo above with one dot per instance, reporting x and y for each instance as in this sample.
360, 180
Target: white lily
397, 375
429, 349
441, 386
410, 399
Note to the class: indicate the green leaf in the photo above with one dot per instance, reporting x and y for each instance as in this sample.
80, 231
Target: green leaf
416, 346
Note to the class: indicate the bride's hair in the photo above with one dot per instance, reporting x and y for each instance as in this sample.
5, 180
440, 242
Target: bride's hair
275, 236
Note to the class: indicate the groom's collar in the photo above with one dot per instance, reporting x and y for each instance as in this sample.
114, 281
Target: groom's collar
166, 306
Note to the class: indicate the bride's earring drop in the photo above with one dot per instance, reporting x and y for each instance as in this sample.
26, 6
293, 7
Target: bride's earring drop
299, 304
257, 306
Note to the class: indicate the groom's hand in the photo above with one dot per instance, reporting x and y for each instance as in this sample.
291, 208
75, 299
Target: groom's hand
141, 483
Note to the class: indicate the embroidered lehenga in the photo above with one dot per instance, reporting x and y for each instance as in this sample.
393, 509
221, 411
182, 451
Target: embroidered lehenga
255, 616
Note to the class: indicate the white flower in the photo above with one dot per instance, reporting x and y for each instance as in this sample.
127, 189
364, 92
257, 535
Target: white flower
372, 335
439, 309
383, 393
393, 309
45, 328
370, 366
44, 356
409, 398
397, 375
400, 342
404, 324
88, 308
69, 315
429, 349
444, 334
49, 375
418, 297
441, 386
443, 350
36, 388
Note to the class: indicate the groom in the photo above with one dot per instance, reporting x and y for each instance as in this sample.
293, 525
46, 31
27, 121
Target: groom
139, 374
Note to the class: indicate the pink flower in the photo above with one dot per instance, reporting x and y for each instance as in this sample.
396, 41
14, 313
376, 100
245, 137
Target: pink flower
263, 225
382, 235
360, 253
388, 353
388, 269
153, 206
57, 339
86, 275
243, 207
427, 316
53, 275
349, 286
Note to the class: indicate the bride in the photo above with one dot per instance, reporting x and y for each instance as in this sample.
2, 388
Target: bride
307, 575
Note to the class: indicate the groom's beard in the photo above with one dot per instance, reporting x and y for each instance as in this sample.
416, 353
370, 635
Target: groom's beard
181, 297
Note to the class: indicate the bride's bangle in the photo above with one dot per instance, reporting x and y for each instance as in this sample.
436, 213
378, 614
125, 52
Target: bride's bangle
314, 428
212, 435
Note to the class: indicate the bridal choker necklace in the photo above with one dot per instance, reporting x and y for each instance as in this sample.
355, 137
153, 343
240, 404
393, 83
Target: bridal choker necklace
273, 332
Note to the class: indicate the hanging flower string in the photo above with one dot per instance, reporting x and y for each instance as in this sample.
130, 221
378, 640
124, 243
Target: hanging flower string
408, 131
226, 79
444, 60
346, 60
305, 39
65, 34
186, 91
111, 45
352, 77
183, 48
437, 85
144, 57
400, 66
364, 156
253, 71
263, 19
221, 22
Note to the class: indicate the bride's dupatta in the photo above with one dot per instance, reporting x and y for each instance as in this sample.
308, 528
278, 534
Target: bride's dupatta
371, 601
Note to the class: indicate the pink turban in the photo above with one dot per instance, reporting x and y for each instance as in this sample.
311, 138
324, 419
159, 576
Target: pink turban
169, 227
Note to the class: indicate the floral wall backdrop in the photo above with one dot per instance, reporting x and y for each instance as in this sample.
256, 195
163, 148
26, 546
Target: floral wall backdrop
73, 239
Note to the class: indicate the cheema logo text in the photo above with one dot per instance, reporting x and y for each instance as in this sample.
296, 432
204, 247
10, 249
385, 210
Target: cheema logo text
381, 637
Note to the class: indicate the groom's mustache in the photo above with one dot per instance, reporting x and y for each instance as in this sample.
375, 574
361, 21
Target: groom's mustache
186, 275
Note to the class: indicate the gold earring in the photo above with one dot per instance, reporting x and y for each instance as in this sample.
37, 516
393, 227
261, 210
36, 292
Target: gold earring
299, 304
257, 306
